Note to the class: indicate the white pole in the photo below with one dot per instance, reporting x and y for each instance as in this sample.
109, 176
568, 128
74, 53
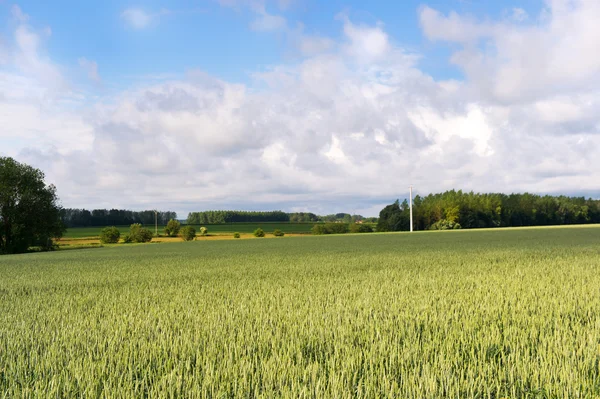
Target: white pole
411, 217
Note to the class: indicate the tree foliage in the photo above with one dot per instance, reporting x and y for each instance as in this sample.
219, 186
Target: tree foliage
29, 210
360, 228
259, 233
218, 217
138, 234
188, 233
278, 233
112, 217
330, 228
474, 210
173, 227
110, 235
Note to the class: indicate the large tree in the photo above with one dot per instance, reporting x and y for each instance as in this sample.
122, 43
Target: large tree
29, 210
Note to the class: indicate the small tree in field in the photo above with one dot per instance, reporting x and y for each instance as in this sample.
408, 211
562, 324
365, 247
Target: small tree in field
259, 233
188, 233
172, 228
236, 235
278, 233
203, 231
110, 235
137, 233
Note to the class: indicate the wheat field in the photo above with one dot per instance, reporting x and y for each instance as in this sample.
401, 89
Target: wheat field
511, 313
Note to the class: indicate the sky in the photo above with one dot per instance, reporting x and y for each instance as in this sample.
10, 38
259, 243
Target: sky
300, 105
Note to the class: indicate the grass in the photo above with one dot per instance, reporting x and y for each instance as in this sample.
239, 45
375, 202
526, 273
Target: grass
229, 228
468, 314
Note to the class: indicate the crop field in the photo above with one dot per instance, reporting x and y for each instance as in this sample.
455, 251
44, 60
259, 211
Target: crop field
511, 313
229, 228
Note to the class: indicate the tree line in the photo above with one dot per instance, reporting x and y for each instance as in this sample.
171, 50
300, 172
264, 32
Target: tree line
219, 217
457, 209
113, 217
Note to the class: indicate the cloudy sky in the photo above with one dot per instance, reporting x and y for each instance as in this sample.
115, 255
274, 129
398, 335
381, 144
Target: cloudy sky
300, 105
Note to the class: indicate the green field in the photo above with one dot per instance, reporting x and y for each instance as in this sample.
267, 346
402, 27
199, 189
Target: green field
229, 228
461, 314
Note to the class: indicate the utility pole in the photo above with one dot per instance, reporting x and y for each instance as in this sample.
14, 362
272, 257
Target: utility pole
411, 217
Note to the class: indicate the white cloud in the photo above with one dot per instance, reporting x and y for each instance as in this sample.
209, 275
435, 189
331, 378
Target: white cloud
18, 14
519, 15
347, 127
517, 61
266, 22
137, 18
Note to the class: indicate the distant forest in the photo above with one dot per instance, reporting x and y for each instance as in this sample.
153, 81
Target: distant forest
217, 217
122, 217
457, 209
112, 217
448, 210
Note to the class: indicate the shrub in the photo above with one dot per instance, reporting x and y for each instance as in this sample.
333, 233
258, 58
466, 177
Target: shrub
330, 228
259, 232
360, 228
203, 231
188, 233
278, 233
236, 235
318, 229
444, 224
172, 228
110, 235
137, 233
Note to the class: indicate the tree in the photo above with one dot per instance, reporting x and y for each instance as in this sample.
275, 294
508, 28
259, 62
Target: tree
394, 218
278, 233
259, 233
29, 210
188, 233
137, 233
110, 235
172, 228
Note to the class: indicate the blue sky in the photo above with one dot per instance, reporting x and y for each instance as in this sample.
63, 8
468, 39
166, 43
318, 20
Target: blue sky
219, 39
300, 104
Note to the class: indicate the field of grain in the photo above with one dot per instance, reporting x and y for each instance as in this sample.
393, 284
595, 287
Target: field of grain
509, 313
228, 228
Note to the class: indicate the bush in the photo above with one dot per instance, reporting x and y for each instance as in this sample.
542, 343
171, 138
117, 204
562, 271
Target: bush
278, 233
172, 228
188, 233
259, 232
445, 224
318, 229
203, 231
330, 228
360, 228
110, 235
137, 233
236, 235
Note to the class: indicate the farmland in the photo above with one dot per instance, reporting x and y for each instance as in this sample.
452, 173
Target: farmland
488, 314
225, 228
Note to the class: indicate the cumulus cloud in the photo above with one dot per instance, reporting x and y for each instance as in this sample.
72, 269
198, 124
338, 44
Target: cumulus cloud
517, 61
348, 127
